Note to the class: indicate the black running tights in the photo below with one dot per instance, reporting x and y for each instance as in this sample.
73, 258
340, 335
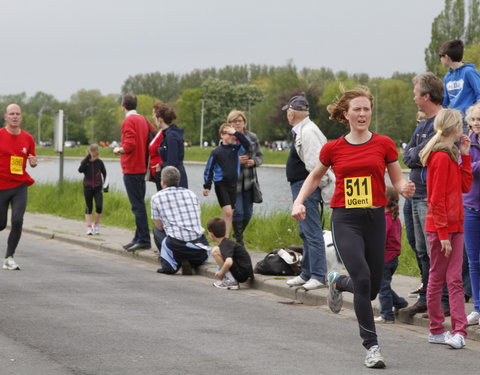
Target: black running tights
17, 198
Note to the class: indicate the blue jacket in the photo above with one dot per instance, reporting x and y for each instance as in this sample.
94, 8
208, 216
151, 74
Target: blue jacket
171, 150
224, 164
411, 158
461, 88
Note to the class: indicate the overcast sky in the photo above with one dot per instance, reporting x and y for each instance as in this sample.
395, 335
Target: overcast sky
62, 46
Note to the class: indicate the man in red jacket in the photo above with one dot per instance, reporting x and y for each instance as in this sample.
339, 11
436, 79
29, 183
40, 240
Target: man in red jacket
133, 161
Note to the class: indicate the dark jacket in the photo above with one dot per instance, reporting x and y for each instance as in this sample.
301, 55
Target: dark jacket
418, 173
246, 176
171, 150
94, 172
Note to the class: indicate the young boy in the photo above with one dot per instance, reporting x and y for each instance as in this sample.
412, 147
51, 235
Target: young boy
462, 82
223, 168
232, 258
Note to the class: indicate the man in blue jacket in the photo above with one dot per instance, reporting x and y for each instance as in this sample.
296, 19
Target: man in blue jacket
462, 82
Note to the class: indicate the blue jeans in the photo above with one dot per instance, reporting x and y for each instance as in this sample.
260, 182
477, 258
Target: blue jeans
314, 264
472, 244
419, 210
135, 186
409, 229
243, 206
387, 296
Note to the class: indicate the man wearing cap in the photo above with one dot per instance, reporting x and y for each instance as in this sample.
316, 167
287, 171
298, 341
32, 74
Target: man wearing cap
303, 157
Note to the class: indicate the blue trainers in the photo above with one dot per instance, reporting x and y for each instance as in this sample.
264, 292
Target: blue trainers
334, 298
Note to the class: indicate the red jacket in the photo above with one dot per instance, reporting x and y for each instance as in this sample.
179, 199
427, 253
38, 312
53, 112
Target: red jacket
446, 181
134, 143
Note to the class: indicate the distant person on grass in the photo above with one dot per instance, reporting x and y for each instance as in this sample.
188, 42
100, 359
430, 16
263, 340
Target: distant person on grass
235, 265
95, 177
16, 147
223, 168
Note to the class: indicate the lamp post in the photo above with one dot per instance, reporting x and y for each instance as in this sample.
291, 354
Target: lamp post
39, 130
376, 108
201, 123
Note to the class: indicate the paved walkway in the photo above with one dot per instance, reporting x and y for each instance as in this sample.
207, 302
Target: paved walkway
111, 240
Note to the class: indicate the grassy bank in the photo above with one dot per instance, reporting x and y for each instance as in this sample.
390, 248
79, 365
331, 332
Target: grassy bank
265, 232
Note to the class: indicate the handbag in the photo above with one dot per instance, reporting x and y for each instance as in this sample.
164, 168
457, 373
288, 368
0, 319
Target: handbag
257, 193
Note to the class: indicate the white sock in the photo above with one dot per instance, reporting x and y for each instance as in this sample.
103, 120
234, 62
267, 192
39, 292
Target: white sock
230, 277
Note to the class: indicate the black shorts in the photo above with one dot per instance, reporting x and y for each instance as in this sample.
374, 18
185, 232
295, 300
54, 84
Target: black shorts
226, 194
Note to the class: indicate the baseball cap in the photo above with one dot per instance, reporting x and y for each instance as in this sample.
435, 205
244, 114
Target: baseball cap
298, 103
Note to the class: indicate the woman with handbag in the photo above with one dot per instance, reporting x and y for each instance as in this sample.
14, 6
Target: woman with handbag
248, 189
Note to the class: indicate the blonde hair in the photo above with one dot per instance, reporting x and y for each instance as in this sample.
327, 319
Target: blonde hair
234, 113
339, 106
446, 122
470, 110
94, 150
223, 127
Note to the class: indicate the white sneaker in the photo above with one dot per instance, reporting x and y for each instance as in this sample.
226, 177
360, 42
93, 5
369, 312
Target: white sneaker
441, 338
226, 283
374, 358
296, 281
313, 284
9, 264
89, 230
96, 229
473, 318
457, 341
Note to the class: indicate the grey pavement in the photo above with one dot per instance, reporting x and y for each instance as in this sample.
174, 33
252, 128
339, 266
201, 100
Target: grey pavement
111, 240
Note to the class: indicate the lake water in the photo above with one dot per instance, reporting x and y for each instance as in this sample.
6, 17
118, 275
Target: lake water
273, 182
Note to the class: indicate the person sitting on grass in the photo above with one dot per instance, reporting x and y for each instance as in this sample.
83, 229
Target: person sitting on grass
223, 168
235, 265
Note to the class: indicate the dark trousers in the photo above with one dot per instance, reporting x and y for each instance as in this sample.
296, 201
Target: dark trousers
135, 186
17, 197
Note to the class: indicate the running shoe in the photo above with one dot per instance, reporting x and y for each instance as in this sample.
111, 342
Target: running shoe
374, 358
96, 229
226, 284
10, 264
89, 231
334, 298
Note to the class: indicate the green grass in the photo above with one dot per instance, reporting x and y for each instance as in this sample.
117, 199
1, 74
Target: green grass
264, 233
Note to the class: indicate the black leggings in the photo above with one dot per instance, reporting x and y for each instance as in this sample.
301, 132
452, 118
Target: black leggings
17, 197
91, 193
359, 238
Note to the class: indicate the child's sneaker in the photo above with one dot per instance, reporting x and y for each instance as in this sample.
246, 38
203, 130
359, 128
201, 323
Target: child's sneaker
441, 338
374, 358
89, 231
9, 264
96, 229
457, 341
473, 318
334, 298
226, 284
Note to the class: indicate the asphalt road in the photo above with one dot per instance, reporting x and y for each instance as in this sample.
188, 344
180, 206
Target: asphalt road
77, 311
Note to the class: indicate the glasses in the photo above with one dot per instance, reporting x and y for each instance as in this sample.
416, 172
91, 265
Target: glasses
237, 121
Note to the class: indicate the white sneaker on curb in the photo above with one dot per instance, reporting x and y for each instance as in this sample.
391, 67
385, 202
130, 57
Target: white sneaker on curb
89, 230
381, 320
457, 341
10, 264
313, 284
473, 318
96, 229
296, 281
374, 358
441, 338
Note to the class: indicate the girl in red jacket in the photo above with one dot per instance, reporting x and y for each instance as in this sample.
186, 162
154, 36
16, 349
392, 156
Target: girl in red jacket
444, 224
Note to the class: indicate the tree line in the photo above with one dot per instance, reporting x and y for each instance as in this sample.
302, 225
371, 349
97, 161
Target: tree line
258, 90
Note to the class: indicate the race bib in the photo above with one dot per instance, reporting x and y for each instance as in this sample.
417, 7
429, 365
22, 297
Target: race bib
16, 165
358, 192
